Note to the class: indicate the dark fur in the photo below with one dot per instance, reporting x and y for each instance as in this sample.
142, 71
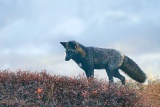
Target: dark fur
130, 66
90, 58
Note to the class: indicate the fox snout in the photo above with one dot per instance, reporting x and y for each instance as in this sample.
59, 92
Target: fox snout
69, 55
67, 58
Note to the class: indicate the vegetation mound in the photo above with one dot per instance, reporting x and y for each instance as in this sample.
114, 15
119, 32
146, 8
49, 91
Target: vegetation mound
39, 89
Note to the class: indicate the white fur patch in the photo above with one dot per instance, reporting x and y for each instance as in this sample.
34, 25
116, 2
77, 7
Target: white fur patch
80, 65
121, 62
146, 82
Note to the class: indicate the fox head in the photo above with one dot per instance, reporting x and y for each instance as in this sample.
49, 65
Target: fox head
72, 49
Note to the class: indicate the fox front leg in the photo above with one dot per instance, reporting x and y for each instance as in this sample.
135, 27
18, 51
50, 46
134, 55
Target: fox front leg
89, 69
89, 73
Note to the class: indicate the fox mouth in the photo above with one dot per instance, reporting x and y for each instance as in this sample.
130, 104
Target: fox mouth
67, 59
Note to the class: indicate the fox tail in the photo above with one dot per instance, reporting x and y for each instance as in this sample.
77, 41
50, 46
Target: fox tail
133, 70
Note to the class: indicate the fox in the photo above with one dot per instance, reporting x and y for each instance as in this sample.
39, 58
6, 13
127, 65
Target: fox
112, 60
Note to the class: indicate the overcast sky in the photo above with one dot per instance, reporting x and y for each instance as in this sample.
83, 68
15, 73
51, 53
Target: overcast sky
30, 32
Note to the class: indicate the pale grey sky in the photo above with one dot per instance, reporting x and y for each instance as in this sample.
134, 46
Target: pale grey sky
30, 31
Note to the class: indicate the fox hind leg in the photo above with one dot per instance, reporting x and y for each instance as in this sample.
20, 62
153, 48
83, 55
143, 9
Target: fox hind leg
118, 75
110, 75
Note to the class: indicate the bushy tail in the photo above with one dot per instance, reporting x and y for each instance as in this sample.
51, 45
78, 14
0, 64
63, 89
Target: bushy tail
133, 70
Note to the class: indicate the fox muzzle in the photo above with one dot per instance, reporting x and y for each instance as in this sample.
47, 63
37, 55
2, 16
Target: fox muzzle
67, 58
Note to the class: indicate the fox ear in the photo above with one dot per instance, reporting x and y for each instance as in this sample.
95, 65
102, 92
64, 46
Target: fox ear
64, 44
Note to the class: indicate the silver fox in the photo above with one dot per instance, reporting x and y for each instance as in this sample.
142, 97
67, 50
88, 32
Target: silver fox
90, 58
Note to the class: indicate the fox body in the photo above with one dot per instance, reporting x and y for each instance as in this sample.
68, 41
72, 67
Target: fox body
90, 58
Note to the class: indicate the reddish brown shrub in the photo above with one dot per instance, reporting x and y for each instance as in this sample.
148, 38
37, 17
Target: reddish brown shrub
24, 88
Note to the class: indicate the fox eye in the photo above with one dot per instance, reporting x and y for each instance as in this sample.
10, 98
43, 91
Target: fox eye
69, 52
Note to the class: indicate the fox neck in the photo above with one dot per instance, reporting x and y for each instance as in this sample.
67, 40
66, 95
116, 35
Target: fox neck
80, 57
